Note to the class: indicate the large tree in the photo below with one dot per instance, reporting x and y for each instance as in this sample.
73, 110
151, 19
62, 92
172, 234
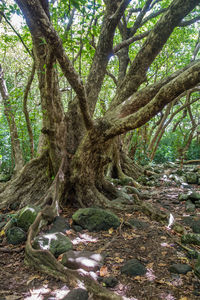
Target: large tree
78, 148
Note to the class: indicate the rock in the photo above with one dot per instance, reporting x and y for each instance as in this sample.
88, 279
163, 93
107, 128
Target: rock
191, 238
180, 268
179, 228
194, 196
183, 197
189, 206
196, 226
110, 282
95, 219
191, 177
138, 224
188, 221
185, 185
15, 236
134, 268
57, 243
15, 205
197, 204
126, 180
77, 294
60, 224
77, 228
180, 172
87, 260
27, 216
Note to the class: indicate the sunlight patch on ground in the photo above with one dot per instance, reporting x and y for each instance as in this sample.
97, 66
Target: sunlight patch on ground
150, 275
42, 292
49, 237
84, 238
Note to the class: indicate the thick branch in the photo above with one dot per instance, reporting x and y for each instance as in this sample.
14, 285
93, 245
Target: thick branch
189, 22
152, 47
144, 96
38, 21
187, 80
103, 52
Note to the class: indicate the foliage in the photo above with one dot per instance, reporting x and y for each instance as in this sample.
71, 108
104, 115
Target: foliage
80, 40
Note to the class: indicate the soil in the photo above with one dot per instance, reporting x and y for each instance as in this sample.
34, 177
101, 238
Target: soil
153, 245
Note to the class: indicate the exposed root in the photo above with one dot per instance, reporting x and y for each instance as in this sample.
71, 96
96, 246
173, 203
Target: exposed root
45, 262
29, 185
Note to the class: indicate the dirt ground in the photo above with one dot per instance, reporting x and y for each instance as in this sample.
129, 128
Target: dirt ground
155, 246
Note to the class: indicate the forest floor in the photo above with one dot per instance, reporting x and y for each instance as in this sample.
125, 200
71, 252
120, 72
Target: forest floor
153, 244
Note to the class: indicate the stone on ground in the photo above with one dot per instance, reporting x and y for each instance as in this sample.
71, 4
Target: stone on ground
87, 260
77, 294
27, 216
95, 219
180, 268
60, 224
57, 243
15, 236
134, 268
191, 238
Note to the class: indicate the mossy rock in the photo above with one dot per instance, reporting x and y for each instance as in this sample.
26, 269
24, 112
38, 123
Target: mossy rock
95, 219
133, 268
27, 216
191, 178
15, 236
57, 243
191, 238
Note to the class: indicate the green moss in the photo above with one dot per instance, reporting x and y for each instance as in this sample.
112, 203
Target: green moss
95, 219
27, 217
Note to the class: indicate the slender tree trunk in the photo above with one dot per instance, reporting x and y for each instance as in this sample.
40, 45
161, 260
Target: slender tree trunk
15, 143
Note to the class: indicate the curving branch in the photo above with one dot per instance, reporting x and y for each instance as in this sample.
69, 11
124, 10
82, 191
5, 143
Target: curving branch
140, 16
189, 22
15, 31
185, 81
39, 21
129, 41
144, 96
25, 110
153, 15
154, 43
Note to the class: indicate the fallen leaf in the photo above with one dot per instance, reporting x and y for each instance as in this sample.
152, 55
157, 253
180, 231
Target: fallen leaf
2, 233
184, 259
183, 298
162, 265
150, 265
31, 278
163, 237
161, 281
110, 231
103, 271
119, 260
60, 257
142, 248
